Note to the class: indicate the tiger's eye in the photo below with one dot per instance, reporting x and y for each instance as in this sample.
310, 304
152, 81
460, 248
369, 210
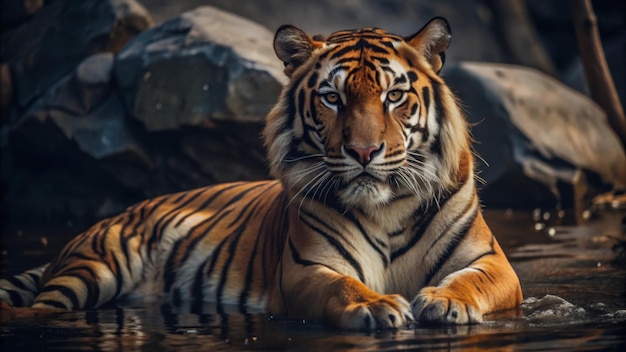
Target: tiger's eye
394, 95
332, 98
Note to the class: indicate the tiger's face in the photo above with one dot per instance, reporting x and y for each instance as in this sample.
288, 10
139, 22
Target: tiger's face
361, 120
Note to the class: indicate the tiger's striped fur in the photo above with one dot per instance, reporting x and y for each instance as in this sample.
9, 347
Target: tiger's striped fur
374, 204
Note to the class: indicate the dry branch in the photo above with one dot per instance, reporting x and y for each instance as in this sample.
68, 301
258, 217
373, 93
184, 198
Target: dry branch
597, 72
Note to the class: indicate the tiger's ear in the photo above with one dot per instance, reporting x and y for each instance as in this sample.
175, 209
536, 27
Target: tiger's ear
293, 47
432, 41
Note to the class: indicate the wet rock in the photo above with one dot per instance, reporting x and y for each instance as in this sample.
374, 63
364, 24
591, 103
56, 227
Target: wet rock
550, 308
201, 66
82, 28
620, 314
540, 138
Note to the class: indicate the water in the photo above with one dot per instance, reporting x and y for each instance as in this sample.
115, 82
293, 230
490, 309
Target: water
573, 277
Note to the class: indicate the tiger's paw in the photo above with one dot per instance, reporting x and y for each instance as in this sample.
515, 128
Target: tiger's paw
444, 306
384, 312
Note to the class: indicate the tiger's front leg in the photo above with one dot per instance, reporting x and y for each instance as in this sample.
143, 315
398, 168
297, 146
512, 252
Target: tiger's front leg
314, 290
488, 285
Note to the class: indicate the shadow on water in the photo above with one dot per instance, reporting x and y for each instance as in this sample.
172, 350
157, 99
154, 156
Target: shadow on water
576, 262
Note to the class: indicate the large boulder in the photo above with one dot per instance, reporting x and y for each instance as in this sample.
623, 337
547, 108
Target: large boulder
61, 34
95, 140
201, 66
534, 135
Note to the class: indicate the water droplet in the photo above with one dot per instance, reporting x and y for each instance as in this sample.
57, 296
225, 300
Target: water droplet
551, 232
537, 214
147, 75
508, 212
599, 264
205, 87
561, 214
253, 338
158, 106
546, 216
539, 226
245, 342
586, 214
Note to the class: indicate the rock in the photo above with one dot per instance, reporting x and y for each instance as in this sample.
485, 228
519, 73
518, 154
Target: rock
82, 28
12, 12
75, 154
535, 133
76, 149
550, 308
201, 66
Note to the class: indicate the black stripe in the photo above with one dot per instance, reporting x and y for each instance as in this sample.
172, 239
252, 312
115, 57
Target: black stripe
435, 147
236, 237
206, 203
54, 304
357, 223
304, 262
426, 98
400, 79
486, 274
18, 283
35, 277
492, 251
452, 245
425, 216
245, 293
312, 80
333, 242
196, 289
167, 218
291, 105
118, 276
155, 205
124, 242
93, 290
16, 298
65, 291
169, 270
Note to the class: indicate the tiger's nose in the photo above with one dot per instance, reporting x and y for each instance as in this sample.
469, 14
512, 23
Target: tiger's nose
363, 154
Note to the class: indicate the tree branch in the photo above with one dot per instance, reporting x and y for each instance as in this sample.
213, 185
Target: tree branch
597, 72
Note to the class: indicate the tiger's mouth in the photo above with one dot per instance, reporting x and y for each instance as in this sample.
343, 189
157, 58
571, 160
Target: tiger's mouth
365, 191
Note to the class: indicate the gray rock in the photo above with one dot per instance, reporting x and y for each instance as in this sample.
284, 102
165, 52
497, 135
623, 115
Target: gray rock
534, 133
82, 28
201, 66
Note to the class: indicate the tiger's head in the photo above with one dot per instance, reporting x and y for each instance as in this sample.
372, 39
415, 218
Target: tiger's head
365, 117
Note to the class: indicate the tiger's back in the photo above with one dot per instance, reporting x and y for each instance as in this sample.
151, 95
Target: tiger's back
180, 246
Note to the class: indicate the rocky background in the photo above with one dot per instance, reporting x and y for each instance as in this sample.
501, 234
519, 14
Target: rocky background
107, 102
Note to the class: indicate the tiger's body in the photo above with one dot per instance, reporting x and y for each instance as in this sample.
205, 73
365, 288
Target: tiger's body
374, 204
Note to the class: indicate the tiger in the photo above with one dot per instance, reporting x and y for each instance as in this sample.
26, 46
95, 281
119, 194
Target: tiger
371, 221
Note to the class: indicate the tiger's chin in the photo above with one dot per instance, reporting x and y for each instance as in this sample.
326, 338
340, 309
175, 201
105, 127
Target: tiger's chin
366, 193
